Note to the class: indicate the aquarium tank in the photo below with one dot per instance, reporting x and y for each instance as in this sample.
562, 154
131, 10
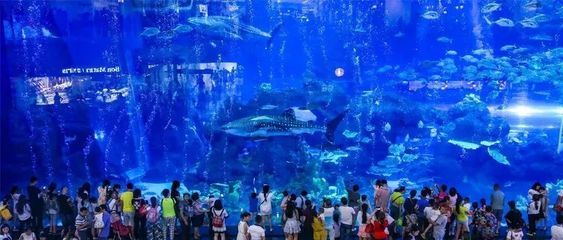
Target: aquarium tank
228, 95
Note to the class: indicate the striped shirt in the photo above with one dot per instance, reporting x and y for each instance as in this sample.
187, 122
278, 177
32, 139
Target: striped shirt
79, 221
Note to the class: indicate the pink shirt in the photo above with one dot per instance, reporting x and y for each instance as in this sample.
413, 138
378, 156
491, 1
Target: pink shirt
382, 198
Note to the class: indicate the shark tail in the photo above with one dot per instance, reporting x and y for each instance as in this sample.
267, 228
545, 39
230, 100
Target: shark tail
331, 127
273, 34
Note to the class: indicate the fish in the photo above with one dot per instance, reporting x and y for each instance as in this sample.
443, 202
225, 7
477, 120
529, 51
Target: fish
532, 5
150, 32
387, 127
230, 28
489, 143
365, 140
430, 15
444, 40
541, 37
470, 59
332, 156
498, 156
503, 22
540, 18
519, 50
465, 145
268, 107
384, 69
182, 28
370, 128
354, 148
420, 124
491, 7
508, 48
349, 134
399, 34
46, 33
529, 23
451, 53
284, 124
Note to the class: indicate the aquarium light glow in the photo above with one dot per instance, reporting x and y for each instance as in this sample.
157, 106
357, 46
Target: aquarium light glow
524, 110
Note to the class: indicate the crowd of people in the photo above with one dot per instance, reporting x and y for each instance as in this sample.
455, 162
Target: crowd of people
435, 212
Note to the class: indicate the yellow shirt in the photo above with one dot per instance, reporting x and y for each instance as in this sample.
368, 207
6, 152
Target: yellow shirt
127, 199
397, 199
462, 215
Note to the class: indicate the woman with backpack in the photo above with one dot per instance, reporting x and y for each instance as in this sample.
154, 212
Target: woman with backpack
218, 214
265, 206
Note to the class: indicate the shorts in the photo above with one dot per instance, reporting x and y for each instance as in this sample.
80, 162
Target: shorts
464, 224
128, 218
197, 220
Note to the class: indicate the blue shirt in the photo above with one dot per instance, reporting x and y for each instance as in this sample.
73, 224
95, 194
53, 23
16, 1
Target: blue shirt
107, 224
422, 203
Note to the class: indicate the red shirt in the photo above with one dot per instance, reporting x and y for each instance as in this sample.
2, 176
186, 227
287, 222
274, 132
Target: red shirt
378, 232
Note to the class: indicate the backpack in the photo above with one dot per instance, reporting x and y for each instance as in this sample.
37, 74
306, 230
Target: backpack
152, 215
218, 220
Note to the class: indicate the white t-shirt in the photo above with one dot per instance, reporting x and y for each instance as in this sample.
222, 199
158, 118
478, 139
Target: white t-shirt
431, 214
31, 236
513, 235
300, 201
346, 215
556, 232
265, 203
256, 232
535, 207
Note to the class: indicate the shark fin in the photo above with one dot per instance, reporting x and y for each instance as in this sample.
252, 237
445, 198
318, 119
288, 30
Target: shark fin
273, 34
331, 127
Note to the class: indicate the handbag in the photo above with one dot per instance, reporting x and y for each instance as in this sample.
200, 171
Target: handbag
6, 214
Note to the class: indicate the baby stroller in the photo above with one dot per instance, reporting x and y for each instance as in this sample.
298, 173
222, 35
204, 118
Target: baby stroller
120, 231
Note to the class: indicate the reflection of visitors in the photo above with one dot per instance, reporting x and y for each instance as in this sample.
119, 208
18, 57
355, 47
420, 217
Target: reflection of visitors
57, 98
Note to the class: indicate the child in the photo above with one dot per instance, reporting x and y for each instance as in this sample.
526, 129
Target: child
154, 231
98, 221
218, 221
82, 223
28, 235
5, 232
52, 210
439, 225
515, 222
256, 231
243, 226
319, 232
362, 221
253, 204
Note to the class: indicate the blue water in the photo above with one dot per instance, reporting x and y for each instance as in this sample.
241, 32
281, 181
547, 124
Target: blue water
138, 91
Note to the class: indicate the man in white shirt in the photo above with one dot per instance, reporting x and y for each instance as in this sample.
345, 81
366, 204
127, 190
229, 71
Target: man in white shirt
300, 201
346, 220
256, 231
